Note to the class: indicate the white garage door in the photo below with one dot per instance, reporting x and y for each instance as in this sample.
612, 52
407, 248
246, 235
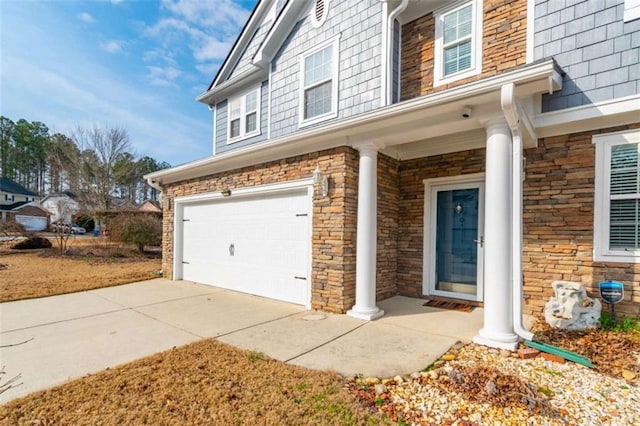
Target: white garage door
258, 245
32, 223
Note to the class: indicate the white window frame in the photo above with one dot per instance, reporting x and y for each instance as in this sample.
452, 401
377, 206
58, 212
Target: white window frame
601, 219
242, 98
335, 41
631, 10
476, 42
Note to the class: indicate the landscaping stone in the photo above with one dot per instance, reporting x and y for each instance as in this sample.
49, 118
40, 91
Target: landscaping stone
526, 353
570, 308
380, 389
552, 357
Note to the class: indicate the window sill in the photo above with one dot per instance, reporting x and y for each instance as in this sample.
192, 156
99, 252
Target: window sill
617, 257
455, 77
243, 137
318, 119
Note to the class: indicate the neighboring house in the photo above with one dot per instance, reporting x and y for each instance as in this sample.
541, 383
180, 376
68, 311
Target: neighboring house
150, 206
18, 204
12, 192
62, 206
363, 149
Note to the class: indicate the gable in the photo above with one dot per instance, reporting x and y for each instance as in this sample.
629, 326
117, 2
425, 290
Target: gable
244, 64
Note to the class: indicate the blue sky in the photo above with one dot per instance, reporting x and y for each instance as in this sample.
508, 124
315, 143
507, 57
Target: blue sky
137, 65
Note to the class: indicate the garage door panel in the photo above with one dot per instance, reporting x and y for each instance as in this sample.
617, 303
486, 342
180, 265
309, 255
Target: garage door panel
270, 238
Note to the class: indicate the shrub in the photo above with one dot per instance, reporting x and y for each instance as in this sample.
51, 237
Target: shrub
9, 229
140, 230
33, 243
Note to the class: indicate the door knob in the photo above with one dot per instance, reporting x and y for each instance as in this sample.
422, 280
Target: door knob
480, 241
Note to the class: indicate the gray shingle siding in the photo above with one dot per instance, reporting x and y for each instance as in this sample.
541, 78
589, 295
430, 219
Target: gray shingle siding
593, 45
244, 63
359, 25
221, 123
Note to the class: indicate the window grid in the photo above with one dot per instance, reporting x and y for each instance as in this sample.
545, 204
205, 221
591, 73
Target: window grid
244, 116
318, 83
457, 40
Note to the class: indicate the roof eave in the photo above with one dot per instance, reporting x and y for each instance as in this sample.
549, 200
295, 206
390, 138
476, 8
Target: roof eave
539, 77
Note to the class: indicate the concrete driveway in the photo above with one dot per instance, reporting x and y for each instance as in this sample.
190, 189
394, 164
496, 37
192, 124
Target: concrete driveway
55, 339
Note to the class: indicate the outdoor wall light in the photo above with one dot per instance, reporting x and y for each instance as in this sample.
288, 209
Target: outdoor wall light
458, 208
466, 112
226, 193
322, 181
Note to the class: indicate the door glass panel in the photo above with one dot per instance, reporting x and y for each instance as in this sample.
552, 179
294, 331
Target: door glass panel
456, 248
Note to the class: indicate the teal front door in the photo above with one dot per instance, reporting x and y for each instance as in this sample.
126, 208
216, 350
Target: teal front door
457, 241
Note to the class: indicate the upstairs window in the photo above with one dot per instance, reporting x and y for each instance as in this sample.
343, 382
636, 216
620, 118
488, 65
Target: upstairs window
617, 197
319, 83
244, 116
458, 50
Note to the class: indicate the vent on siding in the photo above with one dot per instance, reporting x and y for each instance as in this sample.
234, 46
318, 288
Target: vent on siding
319, 12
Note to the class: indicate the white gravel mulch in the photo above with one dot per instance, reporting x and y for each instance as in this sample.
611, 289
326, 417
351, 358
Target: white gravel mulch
484, 386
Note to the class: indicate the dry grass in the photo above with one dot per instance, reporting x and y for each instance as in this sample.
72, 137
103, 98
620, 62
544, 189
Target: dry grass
206, 382
91, 263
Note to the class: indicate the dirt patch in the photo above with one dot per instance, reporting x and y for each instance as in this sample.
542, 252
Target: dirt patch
89, 264
206, 382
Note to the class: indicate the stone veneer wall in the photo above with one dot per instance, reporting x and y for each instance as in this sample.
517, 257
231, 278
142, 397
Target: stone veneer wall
387, 247
411, 213
334, 217
558, 223
504, 45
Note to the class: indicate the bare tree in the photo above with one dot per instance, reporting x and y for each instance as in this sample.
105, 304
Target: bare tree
101, 149
62, 229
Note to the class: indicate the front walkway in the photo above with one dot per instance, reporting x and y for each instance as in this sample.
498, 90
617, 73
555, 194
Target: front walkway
68, 336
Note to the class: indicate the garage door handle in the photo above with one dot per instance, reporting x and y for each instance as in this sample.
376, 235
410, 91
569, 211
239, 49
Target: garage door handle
185, 263
232, 250
300, 278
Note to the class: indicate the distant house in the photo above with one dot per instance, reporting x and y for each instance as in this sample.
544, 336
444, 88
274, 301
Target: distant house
150, 206
18, 204
62, 206
12, 192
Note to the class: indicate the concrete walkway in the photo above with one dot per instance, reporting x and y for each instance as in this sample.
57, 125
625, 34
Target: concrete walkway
68, 336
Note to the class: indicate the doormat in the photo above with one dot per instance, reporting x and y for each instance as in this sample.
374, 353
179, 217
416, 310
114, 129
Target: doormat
442, 304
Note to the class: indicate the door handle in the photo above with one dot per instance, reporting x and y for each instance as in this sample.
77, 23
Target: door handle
480, 241
232, 250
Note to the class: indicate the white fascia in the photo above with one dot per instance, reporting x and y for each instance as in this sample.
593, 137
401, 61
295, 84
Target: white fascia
614, 112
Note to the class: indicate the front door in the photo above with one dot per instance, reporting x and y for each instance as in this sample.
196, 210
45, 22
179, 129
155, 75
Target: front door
455, 238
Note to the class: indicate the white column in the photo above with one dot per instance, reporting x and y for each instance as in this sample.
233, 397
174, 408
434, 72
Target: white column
497, 331
365, 307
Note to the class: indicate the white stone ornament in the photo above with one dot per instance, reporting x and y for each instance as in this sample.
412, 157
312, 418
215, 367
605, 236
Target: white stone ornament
570, 308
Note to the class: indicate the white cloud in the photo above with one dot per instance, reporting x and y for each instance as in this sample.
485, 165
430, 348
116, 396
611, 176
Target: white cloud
86, 17
208, 28
163, 77
112, 46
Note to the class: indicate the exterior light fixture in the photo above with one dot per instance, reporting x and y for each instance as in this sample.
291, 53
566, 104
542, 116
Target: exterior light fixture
322, 181
226, 193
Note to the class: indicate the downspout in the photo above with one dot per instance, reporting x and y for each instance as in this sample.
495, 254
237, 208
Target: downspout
387, 51
510, 110
155, 185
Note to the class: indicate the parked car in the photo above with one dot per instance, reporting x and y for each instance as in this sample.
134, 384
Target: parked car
60, 227
77, 229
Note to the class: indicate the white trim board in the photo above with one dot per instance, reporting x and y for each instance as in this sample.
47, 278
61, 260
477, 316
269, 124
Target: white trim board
614, 112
